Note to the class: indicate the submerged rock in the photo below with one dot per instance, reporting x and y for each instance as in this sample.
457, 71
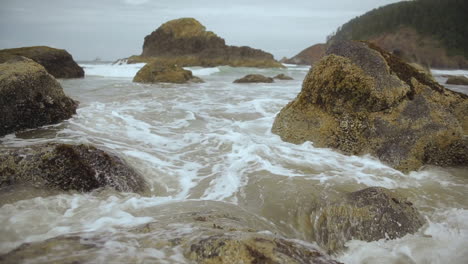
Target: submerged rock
191, 232
186, 42
155, 72
457, 80
254, 78
68, 167
360, 99
57, 62
30, 97
369, 214
283, 77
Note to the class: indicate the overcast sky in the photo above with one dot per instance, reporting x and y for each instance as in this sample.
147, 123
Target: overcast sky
112, 29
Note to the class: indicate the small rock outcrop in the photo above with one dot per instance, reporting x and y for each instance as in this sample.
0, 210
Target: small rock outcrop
155, 72
283, 76
68, 167
208, 232
254, 78
309, 56
30, 97
457, 80
360, 99
186, 42
57, 62
370, 214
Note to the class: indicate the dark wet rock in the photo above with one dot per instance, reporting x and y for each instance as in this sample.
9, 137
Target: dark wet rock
283, 76
67, 167
185, 42
360, 99
457, 80
30, 97
155, 72
193, 231
370, 214
254, 78
57, 62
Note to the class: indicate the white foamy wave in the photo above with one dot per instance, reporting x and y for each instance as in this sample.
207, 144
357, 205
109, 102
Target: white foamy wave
197, 71
449, 72
440, 241
112, 70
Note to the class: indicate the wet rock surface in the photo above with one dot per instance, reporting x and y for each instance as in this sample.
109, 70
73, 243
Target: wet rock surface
155, 72
254, 78
68, 167
30, 97
57, 62
283, 76
360, 99
457, 80
186, 42
191, 232
370, 214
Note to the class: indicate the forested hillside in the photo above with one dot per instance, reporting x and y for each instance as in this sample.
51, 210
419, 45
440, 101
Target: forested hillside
446, 21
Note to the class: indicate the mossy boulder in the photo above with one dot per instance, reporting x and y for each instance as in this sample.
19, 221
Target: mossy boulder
68, 167
57, 62
283, 76
370, 214
254, 78
204, 232
30, 97
186, 42
457, 80
360, 99
155, 72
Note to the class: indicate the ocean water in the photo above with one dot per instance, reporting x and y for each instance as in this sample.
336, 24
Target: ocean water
212, 142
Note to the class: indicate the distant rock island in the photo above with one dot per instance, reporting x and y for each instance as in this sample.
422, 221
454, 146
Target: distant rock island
308, 56
431, 33
185, 42
57, 62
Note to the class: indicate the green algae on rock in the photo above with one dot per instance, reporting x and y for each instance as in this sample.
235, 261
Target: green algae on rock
186, 42
57, 62
370, 214
68, 167
30, 97
154, 72
254, 78
360, 99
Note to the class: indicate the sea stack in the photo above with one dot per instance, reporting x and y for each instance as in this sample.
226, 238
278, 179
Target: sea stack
186, 42
360, 99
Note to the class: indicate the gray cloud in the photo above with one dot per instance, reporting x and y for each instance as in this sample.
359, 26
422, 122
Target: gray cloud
113, 29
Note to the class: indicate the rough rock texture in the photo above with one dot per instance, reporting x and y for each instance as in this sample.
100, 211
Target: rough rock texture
203, 232
254, 78
361, 99
67, 167
457, 80
370, 214
57, 62
282, 76
155, 72
30, 97
309, 56
186, 42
